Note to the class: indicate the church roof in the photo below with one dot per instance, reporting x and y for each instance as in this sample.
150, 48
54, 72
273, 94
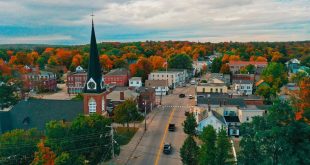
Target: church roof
94, 67
36, 113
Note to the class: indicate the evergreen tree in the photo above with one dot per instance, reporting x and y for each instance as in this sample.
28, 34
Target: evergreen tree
180, 61
207, 152
223, 148
216, 65
189, 151
190, 124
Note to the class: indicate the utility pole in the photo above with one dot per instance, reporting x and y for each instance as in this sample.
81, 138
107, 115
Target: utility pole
144, 115
112, 140
161, 95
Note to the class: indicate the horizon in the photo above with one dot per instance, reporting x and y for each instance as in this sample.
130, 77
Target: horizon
66, 23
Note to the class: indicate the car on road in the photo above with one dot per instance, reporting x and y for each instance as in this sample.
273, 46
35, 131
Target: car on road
171, 127
167, 148
182, 95
193, 82
190, 97
186, 113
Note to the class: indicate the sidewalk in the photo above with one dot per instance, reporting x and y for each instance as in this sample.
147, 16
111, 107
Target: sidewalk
128, 149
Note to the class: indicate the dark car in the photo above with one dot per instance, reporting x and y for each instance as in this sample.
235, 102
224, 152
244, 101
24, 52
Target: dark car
181, 95
186, 113
167, 148
171, 127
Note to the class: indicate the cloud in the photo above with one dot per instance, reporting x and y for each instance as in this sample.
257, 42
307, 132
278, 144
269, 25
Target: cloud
126, 20
47, 39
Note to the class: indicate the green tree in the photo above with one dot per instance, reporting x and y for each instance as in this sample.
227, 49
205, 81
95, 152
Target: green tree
126, 112
8, 95
190, 124
223, 149
277, 138
266, 92
207, 153
18, 146
248, 69
275, 74
66, 158
180, 61
189, 151
216, 65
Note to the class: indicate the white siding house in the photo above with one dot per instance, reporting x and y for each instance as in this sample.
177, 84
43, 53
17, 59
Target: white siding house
135, 82
214, 119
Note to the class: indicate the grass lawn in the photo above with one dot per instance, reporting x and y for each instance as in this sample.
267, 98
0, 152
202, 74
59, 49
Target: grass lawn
123, 135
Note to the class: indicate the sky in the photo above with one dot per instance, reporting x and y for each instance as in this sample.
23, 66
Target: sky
68, 22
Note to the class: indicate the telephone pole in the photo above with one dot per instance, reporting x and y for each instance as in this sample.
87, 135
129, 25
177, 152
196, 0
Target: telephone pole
144, 115
112, 140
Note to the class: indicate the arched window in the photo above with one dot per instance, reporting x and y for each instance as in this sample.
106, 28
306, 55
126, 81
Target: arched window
92, 106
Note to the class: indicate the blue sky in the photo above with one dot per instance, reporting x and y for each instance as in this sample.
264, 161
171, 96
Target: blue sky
68, 21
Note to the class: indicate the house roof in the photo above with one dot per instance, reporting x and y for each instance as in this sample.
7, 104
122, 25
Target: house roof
242, 82
248, 62
135, 78
128, 94
218, 116
232, 119
36, 113
155, 83
117, 72
219, 100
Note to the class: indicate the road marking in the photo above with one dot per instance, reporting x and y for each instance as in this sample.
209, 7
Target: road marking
163, 139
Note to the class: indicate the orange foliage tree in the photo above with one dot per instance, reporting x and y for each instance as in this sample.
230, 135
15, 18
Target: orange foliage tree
225, 58
225, 69
261, 59
234, 58
76, 60
157, 62
106, 62
44, 155
5, 70
142, 68
303, 102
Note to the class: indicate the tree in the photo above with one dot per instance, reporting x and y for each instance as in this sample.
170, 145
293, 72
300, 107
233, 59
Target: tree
66, 158
180, 61
106, 62
266, 92
190, 124
8, 95
225, 69
277, 138
275, 75
216, 65
223, 148
126, 112
189, 151
18, 146
157, 62
142, 68
44, 155
207, 153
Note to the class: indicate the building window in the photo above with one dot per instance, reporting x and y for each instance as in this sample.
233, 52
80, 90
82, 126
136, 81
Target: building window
211, 90
131, 82
92, 106
203, 90
221, 90
248, 87
216, 90
241, 87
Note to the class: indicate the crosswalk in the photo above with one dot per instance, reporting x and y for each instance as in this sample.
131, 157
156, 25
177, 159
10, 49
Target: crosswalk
176, 106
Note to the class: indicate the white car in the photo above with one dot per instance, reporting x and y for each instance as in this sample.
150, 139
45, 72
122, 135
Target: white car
193, 82
190, 96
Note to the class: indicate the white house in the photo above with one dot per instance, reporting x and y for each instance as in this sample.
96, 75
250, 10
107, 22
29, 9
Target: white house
214, 119
243, 87
160, 86
135, 82
175, 78
246, 115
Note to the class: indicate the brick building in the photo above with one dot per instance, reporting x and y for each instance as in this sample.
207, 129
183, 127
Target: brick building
40, 81
236, 66
118, 77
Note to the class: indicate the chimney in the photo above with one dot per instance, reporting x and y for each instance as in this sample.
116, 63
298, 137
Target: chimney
121, 95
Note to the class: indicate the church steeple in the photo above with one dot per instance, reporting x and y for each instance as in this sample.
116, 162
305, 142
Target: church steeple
94, 83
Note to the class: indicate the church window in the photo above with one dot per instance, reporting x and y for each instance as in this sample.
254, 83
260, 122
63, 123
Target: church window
92, 106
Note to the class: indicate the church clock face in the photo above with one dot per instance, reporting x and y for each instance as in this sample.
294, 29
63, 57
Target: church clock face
91, 85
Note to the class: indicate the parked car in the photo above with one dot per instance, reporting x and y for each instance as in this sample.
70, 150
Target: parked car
167, 148
193, 82
182, 95
190, 97
186, 113
171, 127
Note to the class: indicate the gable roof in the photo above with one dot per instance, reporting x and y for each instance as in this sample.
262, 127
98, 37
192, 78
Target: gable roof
118, 72
218, 116
219, 100
247, 63
36, 113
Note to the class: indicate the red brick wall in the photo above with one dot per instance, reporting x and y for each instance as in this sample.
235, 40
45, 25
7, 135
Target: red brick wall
98, 99
119, 80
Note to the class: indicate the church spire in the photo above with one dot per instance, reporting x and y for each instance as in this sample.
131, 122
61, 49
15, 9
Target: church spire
94, 83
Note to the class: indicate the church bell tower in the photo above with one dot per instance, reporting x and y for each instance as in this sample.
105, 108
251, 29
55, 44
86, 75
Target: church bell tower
94, 89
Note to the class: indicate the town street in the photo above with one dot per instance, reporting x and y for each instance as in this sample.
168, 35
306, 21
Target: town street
149, 148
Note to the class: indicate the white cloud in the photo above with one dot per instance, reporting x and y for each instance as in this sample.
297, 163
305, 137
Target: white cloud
34, 39
226, 19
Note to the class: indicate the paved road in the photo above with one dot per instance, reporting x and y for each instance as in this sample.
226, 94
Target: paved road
149, 150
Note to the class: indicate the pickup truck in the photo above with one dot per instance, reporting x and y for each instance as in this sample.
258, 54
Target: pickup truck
171, 127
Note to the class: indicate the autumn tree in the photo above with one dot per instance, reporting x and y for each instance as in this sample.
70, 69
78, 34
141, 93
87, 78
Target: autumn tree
18, 146
275, 74
225, 69
142, 68
106, 62
157, 62
44, 155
